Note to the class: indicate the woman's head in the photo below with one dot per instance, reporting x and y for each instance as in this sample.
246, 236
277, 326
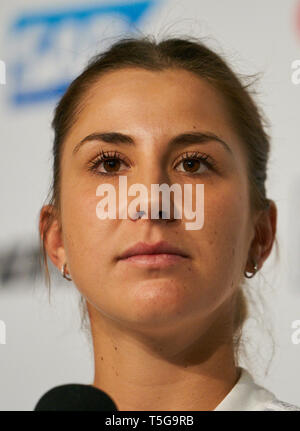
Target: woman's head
153, 92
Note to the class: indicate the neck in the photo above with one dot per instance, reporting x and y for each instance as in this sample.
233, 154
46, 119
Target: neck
172, 369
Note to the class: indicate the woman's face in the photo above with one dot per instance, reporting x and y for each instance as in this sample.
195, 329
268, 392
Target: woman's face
152, 108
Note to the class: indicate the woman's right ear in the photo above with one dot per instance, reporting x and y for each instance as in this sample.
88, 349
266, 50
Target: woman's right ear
51, 235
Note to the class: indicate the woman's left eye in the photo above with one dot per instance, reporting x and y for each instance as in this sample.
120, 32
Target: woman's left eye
194, 162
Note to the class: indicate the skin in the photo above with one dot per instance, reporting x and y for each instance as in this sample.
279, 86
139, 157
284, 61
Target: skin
162, 337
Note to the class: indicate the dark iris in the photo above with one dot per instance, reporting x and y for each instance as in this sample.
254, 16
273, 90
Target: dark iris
189, 164
111, 164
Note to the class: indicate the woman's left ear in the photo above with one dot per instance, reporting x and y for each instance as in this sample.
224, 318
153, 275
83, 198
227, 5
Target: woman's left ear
265, 232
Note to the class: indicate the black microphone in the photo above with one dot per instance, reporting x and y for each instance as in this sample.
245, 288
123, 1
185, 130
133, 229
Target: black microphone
75, 397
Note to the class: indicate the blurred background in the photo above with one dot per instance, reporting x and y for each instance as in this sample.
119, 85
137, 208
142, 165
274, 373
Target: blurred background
43, 46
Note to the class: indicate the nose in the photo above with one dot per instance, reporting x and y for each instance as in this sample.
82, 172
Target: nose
156, 202
161, 214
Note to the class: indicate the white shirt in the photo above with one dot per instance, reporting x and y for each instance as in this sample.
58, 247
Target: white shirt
246, 395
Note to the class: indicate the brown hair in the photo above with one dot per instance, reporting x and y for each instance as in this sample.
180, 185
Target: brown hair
187, 53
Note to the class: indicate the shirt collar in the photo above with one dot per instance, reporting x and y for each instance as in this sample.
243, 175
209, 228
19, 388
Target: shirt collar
245, 395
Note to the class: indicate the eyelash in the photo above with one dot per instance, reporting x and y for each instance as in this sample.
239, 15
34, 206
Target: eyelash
106, 155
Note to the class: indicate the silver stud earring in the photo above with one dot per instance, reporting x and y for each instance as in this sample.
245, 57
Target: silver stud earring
252, 274
63, 271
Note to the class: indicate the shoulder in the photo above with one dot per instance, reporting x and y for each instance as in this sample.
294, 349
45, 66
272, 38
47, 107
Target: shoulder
278, 405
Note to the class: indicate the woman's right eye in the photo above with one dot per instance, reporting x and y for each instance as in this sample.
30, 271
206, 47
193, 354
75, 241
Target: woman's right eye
110, 162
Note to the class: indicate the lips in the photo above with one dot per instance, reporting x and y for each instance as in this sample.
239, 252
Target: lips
162, 247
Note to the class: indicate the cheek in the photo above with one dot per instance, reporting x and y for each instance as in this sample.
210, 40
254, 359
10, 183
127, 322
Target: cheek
86, 238
225, 230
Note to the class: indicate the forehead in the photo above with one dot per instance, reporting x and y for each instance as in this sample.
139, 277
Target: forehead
162, 102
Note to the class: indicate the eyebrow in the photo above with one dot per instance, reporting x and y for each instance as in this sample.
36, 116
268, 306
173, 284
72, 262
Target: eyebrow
182, 139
